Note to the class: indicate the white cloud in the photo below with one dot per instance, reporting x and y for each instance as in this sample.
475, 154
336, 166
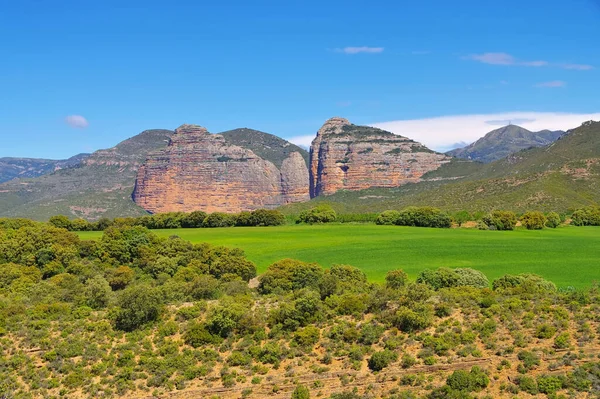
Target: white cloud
552, 84
441, 133
302, 141
507, 59
357, 50
77, 121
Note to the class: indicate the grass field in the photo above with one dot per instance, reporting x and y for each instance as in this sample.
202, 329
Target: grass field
568, 256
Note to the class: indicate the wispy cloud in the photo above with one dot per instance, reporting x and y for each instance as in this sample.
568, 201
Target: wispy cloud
77, 121
358, 50
510, 60
552, 84
442, 133
578, 67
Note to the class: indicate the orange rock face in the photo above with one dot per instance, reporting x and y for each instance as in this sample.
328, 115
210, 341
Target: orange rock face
349, 157
201, 171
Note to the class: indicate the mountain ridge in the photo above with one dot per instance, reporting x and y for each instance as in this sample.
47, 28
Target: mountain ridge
502, 142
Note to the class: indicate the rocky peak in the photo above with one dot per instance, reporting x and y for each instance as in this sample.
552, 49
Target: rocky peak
344, 156
214, 172
333, 125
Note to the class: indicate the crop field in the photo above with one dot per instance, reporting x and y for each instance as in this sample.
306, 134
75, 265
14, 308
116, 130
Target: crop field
568, 256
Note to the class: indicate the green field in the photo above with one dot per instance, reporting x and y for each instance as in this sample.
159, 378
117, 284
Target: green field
568, 256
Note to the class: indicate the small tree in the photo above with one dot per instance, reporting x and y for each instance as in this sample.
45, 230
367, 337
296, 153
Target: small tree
533, 220
218, 219
552, 220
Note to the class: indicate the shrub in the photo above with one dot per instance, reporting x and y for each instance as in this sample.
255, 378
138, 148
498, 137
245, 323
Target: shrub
218, 219
549, 384
525, 282
500, 220
288, 275
412, 319
307, 337
387, 218
265, 217
423, 217
528, 384
545, 331
380, 360
552, 220
472, 381
319, 214
534, 220
193, 219
444, 277
197, 335
137, 306
301, 392
589, 216
562, 341
396, 279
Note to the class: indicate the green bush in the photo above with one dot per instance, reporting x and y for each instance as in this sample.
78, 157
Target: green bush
525, 282
549, 384
307, 337
528, 384
423, 217
533, 220
387, 218
589, 216
137, 306
444, 277
265, 217
500, 220
380, 360
472, 381
197, 335
562, 341
320, 214
218, 219
301, 392
552, 220
396, 279
288, 275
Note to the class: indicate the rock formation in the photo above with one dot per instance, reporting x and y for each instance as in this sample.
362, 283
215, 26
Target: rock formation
344, 156
203, 171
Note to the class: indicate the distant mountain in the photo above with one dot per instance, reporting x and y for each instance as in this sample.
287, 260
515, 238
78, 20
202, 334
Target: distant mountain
100, 185
559, 177
502, 142
14, 168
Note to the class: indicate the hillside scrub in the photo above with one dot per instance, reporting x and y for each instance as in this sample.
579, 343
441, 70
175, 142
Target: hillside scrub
134, 314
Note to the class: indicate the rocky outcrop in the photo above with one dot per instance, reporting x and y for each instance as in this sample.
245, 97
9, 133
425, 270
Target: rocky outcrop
203, 171
344, 156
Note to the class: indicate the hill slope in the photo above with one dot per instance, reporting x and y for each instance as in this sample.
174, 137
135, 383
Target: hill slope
100, 186
15, 168
559, 177
502, 142
265, 145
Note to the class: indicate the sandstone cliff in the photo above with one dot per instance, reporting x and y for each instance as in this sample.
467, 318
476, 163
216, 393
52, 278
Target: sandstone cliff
203, 171
344, 156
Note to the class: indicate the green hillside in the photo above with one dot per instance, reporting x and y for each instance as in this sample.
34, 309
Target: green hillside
100, 186
265, 145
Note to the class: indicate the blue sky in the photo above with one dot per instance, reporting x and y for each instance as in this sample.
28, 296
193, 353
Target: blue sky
286, 66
